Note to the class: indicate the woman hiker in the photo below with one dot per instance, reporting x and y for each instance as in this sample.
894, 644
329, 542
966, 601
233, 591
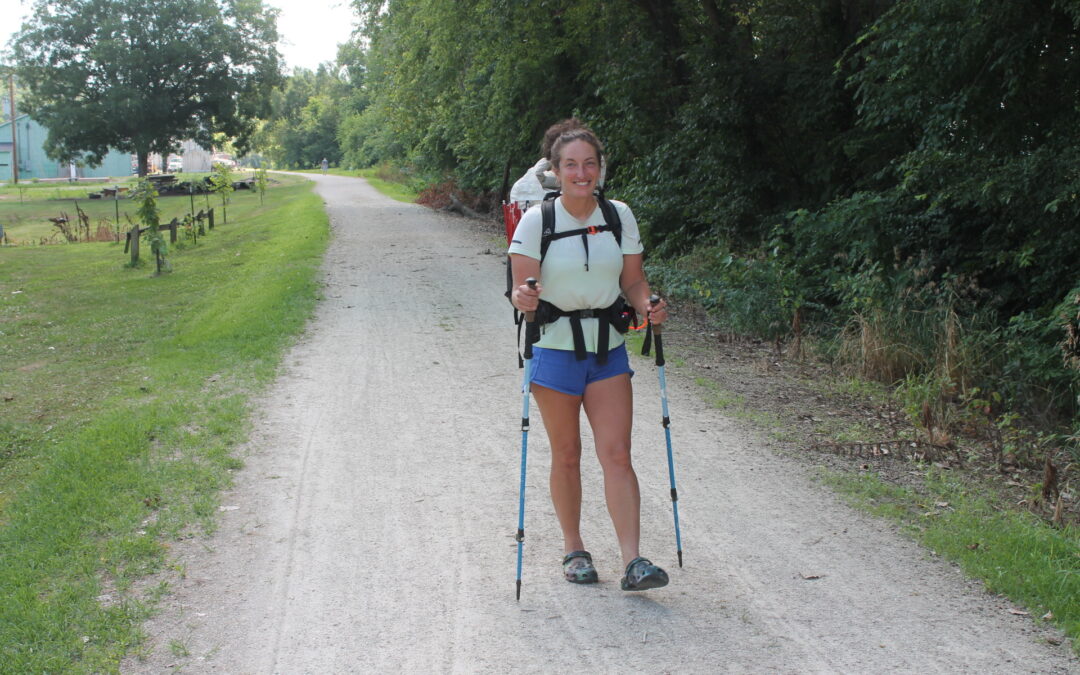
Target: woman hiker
585, 272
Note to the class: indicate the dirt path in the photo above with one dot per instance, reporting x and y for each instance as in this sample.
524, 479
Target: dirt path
371, 530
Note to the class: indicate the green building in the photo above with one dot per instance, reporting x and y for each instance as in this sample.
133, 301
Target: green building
34, 163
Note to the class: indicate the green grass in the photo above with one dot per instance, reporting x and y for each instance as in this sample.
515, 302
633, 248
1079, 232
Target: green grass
851, 387
843, 430
719, 397
123, 396
735, 405
25, 216
634, 340
393, 185
392, 189
1015, 553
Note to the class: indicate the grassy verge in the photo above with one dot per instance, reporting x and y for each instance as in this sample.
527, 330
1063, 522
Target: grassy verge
122, 397
25, 209
1015, 554
392, 184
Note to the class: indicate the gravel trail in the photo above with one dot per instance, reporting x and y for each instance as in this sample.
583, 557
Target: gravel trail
371, 528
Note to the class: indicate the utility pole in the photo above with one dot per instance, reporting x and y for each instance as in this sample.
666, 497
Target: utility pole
14, 138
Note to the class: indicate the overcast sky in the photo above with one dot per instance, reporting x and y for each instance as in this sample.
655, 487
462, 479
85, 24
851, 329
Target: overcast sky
310, 29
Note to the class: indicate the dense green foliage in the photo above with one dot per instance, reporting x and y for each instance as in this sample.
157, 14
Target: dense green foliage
305, 115
141, 76
900, 174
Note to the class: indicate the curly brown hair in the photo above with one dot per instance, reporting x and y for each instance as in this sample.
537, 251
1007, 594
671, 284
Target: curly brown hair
564, 132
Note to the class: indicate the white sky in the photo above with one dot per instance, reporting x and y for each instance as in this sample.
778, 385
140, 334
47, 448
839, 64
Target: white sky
310, 30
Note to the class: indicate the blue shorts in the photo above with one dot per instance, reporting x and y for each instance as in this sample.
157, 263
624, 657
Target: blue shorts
558, 369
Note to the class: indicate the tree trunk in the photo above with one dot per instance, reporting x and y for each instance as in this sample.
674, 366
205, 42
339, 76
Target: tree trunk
142, 157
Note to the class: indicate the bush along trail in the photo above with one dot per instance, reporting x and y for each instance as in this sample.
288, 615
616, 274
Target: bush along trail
123, 394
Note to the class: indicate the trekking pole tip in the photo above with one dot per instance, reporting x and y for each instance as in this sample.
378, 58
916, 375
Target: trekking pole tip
519, 589
680, 558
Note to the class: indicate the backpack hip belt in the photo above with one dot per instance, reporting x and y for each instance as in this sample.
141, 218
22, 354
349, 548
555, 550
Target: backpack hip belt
613, 315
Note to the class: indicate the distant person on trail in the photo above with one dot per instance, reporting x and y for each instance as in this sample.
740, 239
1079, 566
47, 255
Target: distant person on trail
581, 277
325, 165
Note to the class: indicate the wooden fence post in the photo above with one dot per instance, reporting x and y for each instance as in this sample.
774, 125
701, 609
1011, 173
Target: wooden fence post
210, 217
133, 239
172, 231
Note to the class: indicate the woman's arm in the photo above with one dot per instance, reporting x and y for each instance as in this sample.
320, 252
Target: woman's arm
636, 289
524, 298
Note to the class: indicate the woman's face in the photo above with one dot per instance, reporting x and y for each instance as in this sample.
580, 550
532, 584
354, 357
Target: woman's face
578, 169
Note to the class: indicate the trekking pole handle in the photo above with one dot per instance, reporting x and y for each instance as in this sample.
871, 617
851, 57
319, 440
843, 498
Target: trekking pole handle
653, 300
657, 330
530, 316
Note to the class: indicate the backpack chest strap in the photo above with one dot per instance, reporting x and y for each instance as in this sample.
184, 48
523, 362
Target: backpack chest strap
612, 224
584, 232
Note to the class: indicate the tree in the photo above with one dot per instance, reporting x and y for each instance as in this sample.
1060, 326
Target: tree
306, 113
262, 181
143, 75
221, 182
146, 197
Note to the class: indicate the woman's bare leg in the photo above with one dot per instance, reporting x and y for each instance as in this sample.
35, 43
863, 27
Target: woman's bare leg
561, 413
609, 406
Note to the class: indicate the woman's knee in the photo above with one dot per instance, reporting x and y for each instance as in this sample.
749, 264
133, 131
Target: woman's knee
615, 458
566, 455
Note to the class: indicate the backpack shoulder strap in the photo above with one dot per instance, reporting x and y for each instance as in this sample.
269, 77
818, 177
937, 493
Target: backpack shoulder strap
611, 217
547, 233
547, 211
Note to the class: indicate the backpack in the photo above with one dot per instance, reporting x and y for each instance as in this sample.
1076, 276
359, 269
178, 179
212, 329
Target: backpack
620, 314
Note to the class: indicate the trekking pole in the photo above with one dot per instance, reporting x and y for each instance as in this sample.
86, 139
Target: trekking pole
657, 330
530, 318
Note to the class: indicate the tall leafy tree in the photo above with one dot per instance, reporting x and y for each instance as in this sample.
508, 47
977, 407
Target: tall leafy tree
985, 97
142, 75
306, 112
719, 114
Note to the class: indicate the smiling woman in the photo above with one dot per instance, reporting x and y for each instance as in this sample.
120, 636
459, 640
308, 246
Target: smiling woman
579, 363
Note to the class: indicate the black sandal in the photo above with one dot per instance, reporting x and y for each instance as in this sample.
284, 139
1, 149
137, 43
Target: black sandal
642, 575
578, 568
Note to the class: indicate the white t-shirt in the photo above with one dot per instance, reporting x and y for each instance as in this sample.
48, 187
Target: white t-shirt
567, 284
